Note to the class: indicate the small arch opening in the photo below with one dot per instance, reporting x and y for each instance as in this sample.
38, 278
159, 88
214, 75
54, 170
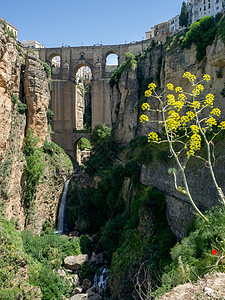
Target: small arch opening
56, 61
82, 150
112, 60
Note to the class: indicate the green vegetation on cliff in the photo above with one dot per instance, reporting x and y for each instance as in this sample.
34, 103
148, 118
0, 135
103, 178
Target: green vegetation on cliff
29, 263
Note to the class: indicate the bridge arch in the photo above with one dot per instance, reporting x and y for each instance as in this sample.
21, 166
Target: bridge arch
53, 55
82, 148
109, 53
80, 65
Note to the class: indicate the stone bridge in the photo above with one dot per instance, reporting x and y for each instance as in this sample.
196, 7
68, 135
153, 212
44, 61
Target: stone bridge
63, 100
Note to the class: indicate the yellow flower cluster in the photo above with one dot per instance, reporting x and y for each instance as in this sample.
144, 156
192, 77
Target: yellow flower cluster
171, 99
194, 128
187, 118
189, 76
195, 144
153, 137
206, 77
145, 106
152, 86
216, 112
195, 104
222, 125
170, 86
209, 98
211, 121
178, 89
182, 97
148, 93
198, 89
190, 114
143, 118
184, 120
172, 121
179, 104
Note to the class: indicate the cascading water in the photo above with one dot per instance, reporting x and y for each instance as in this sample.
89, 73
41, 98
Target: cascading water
101, 278
62, 209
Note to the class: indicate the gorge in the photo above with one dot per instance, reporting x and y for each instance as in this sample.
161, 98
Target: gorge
122, 209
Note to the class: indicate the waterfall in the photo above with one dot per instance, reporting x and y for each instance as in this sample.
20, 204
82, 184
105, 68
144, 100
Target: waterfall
62, 208
101, 278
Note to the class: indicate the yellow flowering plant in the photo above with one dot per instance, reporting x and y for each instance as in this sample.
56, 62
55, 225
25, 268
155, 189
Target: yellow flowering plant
182, 113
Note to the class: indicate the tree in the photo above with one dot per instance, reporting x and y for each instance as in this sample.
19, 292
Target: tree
183, 19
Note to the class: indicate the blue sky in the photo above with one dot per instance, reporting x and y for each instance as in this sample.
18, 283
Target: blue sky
76, 23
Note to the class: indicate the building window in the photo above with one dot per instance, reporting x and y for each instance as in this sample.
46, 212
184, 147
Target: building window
204, 1
217, 1
82, 56
204, 7
209, 5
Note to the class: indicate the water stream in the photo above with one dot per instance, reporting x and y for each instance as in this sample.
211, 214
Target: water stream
62, 209
101, 278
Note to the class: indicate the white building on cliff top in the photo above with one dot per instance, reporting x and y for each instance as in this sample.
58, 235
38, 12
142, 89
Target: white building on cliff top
10, 27
201, 8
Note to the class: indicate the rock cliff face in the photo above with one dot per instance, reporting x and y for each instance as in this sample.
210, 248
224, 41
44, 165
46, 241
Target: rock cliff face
23, 81
164, 67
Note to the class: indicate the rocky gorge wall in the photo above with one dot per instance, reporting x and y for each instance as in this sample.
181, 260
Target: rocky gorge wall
162, 67
23, 84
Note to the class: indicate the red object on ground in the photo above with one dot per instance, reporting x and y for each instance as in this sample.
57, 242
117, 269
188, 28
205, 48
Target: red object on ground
214, 252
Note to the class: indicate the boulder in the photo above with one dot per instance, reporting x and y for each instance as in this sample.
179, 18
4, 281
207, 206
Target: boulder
86, 284
79, 297
97, 259
91, 291
77, 290
95, 297
75, 262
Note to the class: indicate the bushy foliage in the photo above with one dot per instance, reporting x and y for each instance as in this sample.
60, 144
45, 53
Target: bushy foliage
52, 286
51, 147
21, 108
50, 248
34, 169
192, 257
50, 115
84, 144
14, 98
201, 33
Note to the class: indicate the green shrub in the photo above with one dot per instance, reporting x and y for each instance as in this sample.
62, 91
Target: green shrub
52, 286
50, 115
48, 69
201, 33
34, 169
112, 234
192, 257
14, 98
50, 248
21, 108
84, 144
51, 147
